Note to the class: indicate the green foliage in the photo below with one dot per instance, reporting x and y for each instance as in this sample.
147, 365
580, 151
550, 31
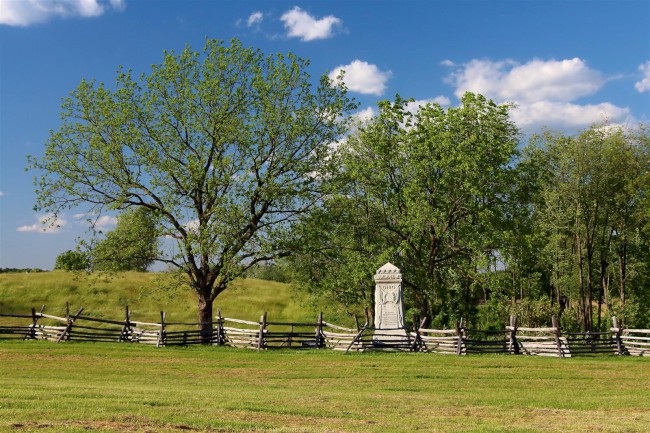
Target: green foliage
590, 214
15, 270
224, 146
132, 246
278, 271
494, 314
426, 191
72, 261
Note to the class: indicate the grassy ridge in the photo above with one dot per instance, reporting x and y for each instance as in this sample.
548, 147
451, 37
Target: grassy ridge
72, 387
107, 296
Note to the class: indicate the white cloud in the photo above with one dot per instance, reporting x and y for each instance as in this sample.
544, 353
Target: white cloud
537, 80
2, 194
566, 114
414, 106
544, 92
254, 18
192, 226
644, 84
118, 5
362, 77
302, 25
102, 222
26, 12
46, 224
364, 115
105, 221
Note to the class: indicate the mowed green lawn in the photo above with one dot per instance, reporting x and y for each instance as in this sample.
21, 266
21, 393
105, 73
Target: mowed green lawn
81, 387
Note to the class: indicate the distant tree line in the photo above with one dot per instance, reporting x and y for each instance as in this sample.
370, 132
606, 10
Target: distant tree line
21, 270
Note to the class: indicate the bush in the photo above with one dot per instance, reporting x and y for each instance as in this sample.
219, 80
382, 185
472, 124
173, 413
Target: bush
72, 261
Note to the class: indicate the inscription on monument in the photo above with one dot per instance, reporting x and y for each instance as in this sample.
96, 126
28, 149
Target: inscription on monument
389, 305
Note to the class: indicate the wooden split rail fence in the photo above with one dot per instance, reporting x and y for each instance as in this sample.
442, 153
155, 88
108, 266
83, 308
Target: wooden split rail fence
265, 334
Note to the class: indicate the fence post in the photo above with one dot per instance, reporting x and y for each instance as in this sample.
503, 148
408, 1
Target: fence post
126, 329
418, 343
514, 345
320, 340
66, 332
459, 336
558, 342
219, 328
617, 335
162, 335
357, 339
260, 338
31, 332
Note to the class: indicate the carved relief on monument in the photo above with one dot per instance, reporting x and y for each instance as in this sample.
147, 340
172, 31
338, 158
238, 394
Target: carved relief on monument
389, 306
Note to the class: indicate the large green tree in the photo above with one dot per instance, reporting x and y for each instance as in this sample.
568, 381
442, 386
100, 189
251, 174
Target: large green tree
224, 146
429, 191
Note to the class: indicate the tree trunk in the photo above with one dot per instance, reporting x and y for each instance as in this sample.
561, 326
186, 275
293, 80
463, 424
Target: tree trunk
581, 300
205, 318
622, 263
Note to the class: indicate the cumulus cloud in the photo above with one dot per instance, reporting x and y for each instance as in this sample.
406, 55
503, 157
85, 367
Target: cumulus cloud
544, 92
414, 106
254, 18
563, 80
644, 84
105, 221
102, 223
364, 115
566, 114
46, 224
302, 25
362, 77
27, 12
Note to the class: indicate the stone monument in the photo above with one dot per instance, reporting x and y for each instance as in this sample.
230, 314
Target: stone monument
389, 306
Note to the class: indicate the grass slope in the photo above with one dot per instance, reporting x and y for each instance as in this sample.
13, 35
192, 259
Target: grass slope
73, 387
107, 296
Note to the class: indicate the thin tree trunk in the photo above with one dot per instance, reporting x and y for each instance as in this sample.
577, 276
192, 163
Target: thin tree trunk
581, 299
622, 263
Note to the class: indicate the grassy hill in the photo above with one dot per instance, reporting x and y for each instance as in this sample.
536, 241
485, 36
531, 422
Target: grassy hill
105, 296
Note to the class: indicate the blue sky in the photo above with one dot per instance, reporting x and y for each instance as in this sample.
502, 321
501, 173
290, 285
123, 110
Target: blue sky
566, 64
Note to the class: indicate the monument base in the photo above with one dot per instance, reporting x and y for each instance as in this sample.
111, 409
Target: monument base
391, 339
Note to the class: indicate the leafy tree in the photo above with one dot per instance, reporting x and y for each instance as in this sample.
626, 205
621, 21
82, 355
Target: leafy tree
592, 211
72, 261
224, 147
428, 190
132, 246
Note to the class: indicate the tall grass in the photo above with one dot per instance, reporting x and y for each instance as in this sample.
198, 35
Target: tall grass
106, 296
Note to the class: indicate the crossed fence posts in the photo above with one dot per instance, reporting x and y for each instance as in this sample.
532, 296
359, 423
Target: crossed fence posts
265, 334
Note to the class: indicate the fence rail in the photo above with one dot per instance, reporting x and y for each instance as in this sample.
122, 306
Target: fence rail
265, 335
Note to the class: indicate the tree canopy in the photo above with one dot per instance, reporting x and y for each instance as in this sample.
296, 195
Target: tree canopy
222, 146
428, 190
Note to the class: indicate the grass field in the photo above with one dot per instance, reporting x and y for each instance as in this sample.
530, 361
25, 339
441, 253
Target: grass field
106, 297
80, 387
